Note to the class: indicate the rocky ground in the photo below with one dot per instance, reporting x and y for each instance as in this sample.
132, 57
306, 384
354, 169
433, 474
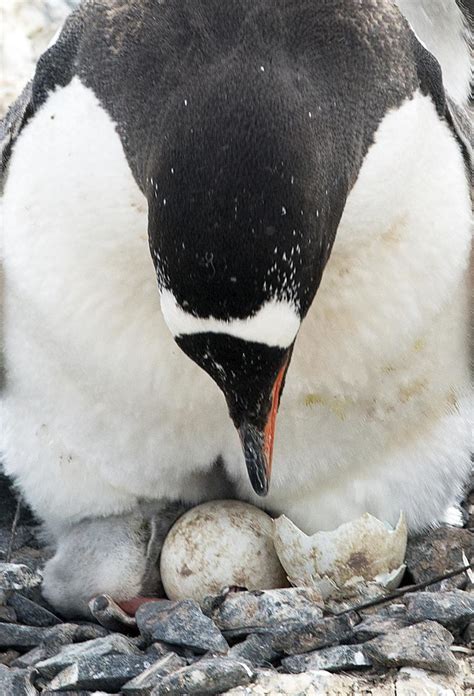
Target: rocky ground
278, 642
264, 643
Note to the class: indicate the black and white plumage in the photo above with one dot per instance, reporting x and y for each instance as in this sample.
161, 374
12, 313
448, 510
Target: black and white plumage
293, 176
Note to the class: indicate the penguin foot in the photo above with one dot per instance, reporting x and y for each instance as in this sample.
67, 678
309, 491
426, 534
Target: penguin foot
130, 606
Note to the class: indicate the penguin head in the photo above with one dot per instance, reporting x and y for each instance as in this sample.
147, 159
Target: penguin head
248, 360
240, 229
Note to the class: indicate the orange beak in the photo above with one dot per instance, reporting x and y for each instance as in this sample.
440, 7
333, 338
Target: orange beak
269, 432
258, 446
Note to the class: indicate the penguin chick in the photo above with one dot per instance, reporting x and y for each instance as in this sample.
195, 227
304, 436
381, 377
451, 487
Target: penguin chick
117, 555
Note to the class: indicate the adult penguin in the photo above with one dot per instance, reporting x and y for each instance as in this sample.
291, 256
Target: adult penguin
215, 213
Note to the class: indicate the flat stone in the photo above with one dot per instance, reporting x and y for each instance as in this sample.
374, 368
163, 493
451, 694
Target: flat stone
69, 654
147, 680
23, 638
109, 614
241, 611
336, 659
206, 677
294, 638
20, 637
180, 623
28, 612
55, 638
452, 609
65, 633
108, 672
373, 626
17, 576
15, 682
424, 645
257, 649
438, 552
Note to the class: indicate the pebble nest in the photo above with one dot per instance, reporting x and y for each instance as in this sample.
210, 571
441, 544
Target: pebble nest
263, 642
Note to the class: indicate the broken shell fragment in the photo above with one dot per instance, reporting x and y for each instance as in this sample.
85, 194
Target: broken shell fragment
220, 544
363, 550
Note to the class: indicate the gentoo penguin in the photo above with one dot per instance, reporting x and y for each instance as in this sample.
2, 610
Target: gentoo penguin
236, 242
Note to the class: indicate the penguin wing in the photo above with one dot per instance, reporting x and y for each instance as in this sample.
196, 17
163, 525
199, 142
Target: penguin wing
56, 66
431, 82
461, 124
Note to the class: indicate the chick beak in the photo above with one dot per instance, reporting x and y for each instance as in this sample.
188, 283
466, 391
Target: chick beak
257, 444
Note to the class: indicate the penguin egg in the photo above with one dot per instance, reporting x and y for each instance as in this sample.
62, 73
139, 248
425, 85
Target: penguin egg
220, 544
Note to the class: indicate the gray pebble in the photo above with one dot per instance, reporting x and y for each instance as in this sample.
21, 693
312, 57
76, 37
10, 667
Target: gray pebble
16, 576
373, 626
74, 633
28, 612
21, 637
15, 682
54, 640
257, 649
424, 645
335, 659
207, 677
452, 609
147, 680
69, 654
241, 611
438, 552
180, 623
108, 672
294, 638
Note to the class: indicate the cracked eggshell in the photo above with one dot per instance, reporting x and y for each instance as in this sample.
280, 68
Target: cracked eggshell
220, 544
364, 548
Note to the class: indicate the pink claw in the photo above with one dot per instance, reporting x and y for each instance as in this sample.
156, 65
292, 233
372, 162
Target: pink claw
130, 606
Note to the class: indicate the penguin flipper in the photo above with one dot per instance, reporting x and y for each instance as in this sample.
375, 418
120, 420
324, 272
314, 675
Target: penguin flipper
12, 124
431, 83
461, 124
55, 67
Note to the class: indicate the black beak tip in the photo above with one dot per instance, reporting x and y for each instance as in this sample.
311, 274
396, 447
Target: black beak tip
252, 443
260, 485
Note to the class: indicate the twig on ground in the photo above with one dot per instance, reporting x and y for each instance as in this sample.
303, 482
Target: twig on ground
13, 529
405, 590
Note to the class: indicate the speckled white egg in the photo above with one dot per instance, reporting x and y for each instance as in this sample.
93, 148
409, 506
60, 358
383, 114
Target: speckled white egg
220, 544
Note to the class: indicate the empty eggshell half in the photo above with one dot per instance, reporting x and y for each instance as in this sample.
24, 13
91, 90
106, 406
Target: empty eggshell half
364, 548
220, 544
